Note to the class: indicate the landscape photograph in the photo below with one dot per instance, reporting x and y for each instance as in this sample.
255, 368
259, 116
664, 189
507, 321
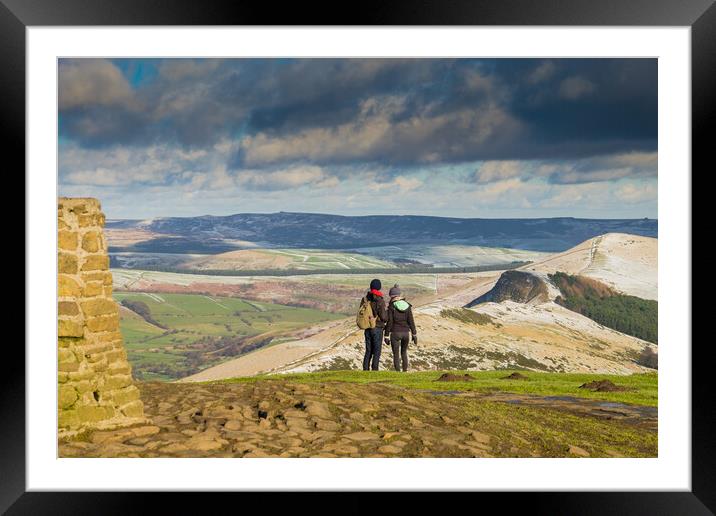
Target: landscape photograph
357, 257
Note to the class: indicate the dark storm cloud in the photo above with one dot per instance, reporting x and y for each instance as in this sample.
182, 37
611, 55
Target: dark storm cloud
586, 102
396, 112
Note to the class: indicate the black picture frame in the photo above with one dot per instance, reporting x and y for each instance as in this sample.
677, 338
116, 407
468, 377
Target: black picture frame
16, 15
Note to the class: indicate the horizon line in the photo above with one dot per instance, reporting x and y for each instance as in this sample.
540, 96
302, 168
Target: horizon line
375, 215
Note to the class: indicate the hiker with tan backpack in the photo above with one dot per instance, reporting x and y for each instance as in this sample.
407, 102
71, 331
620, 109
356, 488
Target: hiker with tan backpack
372, 315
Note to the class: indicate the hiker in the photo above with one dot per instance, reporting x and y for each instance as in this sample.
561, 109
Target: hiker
374, 332
399, 326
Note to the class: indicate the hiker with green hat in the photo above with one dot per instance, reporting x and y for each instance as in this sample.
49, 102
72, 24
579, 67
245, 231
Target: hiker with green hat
399, 326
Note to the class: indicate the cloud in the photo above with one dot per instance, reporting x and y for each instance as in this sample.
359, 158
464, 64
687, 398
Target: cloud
587, 170
378, 134
542, 72
491, 171
182, 69
513, 192
283, 179
91, 82
453, 110
463, 134
157, 164
602, 168
595, 195
637, 193
396, 185
573, 88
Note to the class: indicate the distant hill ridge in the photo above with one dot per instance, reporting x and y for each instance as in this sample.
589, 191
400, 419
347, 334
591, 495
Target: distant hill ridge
213, 234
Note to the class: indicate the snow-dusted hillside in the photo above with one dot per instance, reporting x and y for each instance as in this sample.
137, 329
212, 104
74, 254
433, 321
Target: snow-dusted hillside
539, 335
627, 263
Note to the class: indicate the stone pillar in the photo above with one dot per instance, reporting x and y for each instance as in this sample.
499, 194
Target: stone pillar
95, 389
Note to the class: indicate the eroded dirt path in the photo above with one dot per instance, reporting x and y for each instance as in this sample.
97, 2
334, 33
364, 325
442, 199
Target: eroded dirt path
279, 418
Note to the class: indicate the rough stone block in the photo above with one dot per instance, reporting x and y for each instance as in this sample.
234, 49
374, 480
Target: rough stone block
92, 242
68, 419
67, 263
108, 339
94, 413
99, 306
67, 240
93, 358
67, 308
80, 375
67, 286
69, 328
117, 355
91, 219
116, 382
125, 395
96, 263
103, 323
84, 386
119, 368
68, 367
88, 398
133, 409
65, 355
78, 207
100, 365
93, 347
66, 396
101, 276
66, 342
93, 289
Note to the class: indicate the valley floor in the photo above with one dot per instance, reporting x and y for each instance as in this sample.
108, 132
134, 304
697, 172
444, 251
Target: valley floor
356, 414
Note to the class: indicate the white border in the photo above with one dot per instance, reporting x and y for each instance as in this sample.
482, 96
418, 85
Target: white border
671, 470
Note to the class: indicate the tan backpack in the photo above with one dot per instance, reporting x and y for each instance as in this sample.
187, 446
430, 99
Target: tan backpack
365, 318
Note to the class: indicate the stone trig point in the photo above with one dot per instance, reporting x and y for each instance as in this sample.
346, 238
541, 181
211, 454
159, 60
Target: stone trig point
95, 388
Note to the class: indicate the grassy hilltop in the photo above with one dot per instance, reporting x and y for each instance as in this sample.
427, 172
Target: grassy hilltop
385, 414
640, 389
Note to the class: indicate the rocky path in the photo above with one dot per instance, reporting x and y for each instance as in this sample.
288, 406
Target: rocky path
289, 419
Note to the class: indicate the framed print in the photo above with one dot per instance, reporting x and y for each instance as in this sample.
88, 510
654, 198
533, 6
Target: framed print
443, 249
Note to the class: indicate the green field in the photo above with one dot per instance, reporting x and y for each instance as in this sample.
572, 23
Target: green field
644, 386
313, 259
200, 330
323, 292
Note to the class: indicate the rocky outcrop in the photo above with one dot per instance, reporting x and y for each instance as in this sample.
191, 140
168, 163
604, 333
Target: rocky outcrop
517, 286
95, 387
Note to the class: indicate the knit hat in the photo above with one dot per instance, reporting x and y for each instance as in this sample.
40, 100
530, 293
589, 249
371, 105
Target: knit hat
376, 284
395, 291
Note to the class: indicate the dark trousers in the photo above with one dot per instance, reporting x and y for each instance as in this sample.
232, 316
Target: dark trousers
373, 345
399, 343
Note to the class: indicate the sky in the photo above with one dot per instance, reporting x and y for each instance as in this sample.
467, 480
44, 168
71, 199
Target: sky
493, 138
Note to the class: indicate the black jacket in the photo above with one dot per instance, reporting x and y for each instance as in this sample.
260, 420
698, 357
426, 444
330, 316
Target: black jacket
400, 322
377, 303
